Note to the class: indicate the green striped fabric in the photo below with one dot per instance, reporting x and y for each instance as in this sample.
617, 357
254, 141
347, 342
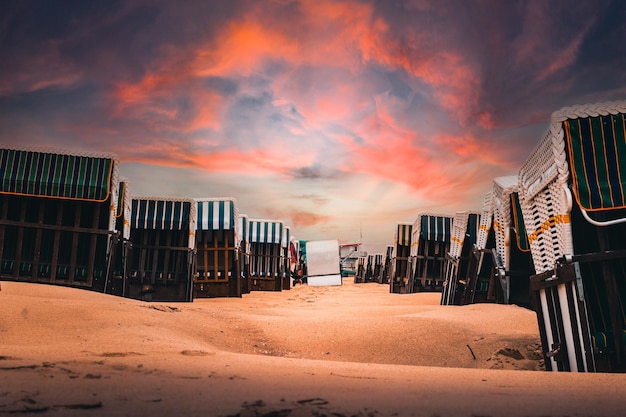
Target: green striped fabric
55, 175
597, 155
518, 224
160, 214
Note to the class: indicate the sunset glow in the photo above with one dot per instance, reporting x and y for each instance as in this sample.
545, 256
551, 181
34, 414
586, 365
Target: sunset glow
341, 118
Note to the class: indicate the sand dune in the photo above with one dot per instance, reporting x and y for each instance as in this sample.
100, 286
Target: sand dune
353, 350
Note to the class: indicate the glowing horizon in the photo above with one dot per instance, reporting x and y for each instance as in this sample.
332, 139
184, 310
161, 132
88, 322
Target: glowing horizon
341, 118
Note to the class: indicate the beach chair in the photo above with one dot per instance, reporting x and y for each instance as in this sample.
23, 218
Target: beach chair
116, 283
400, 266
513, 261
285, 257
161, 258
217, 268
465, 227
57, 216
378, 268
572, 193
429, 244
388, 266
244, 255
360, 270
265, 240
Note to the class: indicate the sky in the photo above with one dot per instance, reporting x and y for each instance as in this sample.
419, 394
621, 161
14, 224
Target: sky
341, 118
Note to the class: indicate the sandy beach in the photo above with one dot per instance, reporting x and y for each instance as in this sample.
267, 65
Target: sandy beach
350, 350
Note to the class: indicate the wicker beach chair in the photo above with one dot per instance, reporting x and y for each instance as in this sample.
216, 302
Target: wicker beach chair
265, 240
217, 268
572, 193
400, 267
161, 260
57, 216
465, 229
430, 242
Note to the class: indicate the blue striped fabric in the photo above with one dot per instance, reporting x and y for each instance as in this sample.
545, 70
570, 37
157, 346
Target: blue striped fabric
403, 234
216, 214
265, 231
160, 214
243, 227
436, 228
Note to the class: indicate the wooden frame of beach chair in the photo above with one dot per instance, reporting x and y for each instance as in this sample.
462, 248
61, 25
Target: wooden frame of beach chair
429, 245
244, 256
57, 216
162, 255
379, 267
388, 266
480, 282
359, 270
572, 196
217, 268
116, 283
265, 241
401, 273
513, 261
465, 228
285, 258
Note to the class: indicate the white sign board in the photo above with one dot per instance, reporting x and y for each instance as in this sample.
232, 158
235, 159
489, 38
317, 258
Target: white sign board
322, 260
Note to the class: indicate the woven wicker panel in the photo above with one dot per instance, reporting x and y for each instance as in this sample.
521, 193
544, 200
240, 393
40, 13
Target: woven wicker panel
502, 189
459, 227
485, 221
548, 225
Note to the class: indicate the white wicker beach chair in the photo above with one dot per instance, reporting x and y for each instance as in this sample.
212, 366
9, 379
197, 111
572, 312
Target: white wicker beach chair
591, 137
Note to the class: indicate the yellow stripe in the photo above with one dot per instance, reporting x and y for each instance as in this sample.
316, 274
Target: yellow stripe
552, 221
455, 239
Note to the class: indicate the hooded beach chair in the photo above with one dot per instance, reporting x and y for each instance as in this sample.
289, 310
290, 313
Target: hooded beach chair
217, 264
265, 241
513, 261
57, 216
161, 261
465, 228
573, 198
480, 281
360, 270
400, 266
429, 245
116, 283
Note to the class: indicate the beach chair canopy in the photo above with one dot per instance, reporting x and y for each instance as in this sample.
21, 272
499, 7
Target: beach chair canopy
503, 187
588, 136
265, 231
486, 221
153, 213
216, 214
403, 234
431, 227
48, 174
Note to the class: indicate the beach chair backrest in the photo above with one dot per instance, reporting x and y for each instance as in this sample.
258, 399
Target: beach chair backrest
158, 213
503, 187
486, 221
430, 227
218, 214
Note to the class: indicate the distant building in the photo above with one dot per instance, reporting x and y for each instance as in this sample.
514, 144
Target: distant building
349, 253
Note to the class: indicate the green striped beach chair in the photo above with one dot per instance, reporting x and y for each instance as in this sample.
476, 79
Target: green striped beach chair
572, 193
161, 261
465, 229
432, 233
217, 265
57, 216
400, 267
265, 241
